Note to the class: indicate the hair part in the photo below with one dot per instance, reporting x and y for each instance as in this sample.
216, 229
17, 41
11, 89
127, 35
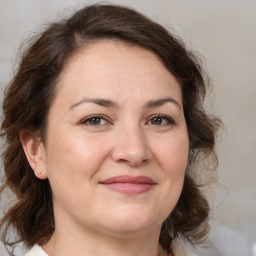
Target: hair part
29, 96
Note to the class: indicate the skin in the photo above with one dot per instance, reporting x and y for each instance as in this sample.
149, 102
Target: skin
79, 152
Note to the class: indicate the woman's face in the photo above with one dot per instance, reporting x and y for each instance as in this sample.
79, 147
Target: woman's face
116, 146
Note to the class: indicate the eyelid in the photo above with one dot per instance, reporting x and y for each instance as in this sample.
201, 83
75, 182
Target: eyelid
87, 118
170, 120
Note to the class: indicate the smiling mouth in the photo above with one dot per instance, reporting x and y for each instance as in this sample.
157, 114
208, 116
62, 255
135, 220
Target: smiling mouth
130, 185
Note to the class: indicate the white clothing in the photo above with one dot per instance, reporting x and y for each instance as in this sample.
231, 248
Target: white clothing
180, 250
36, 250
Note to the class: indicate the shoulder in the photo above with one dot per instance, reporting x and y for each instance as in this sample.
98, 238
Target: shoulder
180, 250
36, 250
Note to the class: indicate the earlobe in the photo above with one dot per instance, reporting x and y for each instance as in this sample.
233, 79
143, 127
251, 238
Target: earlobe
35, 153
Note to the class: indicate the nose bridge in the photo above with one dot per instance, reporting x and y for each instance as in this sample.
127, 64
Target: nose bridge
131, 144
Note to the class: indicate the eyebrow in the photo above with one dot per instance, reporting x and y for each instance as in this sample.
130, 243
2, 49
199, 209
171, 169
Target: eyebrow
160, 102
111, 104
98, 101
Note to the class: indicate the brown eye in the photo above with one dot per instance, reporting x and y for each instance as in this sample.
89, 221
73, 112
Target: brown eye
160, 120
157, 120
94, 121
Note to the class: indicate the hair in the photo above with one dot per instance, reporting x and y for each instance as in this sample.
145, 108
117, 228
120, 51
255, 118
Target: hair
29, 96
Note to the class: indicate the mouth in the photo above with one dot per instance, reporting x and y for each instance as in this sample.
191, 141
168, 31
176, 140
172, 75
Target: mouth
130, 185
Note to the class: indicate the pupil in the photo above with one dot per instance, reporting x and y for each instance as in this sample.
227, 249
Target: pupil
95, 120
157, 120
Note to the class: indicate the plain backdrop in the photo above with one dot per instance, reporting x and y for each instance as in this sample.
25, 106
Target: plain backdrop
223, 32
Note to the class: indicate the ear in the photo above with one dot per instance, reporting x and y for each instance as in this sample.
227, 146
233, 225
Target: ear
35, 152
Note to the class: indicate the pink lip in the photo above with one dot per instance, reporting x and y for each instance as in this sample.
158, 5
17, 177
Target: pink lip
129, 184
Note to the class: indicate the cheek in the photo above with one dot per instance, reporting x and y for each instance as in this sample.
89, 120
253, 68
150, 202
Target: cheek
72, 163
173, 157
173, 153
74, 159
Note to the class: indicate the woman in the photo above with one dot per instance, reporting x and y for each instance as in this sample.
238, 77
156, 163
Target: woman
104, 129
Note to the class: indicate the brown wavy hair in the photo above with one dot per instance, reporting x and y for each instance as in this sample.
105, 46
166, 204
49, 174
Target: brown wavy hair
29, 95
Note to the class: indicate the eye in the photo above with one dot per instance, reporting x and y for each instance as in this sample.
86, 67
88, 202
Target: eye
161, 120
94, 120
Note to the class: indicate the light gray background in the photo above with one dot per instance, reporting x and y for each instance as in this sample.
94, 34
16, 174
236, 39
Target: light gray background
224, 32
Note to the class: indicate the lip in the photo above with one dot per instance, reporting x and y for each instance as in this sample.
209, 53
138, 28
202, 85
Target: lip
130, 185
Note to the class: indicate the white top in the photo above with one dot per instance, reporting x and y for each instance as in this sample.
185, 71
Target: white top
36, 250
179, 250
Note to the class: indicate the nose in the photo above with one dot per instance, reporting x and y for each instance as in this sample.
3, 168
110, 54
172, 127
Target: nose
131, 147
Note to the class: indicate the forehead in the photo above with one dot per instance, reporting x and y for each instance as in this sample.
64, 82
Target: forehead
112, 53
115, 67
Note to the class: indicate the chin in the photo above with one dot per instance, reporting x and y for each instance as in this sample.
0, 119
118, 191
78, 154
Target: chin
132, 220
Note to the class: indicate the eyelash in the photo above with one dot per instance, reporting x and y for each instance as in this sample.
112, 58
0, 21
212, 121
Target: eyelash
88, 119
169, 120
